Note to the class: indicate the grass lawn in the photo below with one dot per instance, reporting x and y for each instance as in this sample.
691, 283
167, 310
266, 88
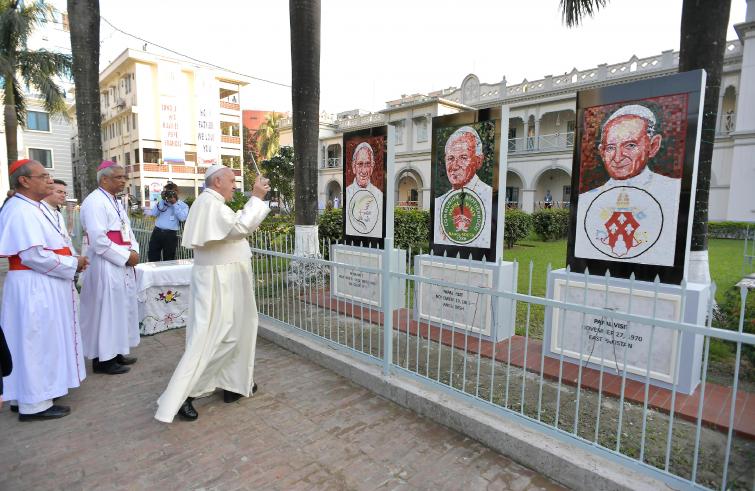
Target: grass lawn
725, 262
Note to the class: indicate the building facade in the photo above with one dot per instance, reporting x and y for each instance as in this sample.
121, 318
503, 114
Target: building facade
168, 120
541, 131
45, 137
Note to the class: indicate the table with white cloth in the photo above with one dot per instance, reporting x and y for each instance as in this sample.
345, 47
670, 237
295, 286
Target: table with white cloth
163, 293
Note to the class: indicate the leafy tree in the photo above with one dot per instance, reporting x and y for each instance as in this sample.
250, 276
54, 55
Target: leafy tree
251, 154
703, 43
84, 21
280, 170
268, 136
21, 67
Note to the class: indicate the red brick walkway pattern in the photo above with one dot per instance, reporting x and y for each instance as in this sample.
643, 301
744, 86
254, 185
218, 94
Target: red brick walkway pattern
306, 428
716, 407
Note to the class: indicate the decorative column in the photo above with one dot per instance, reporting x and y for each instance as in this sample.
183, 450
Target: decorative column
741, 198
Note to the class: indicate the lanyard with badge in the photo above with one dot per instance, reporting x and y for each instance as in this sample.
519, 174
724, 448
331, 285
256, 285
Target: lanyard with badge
42, 209
125, 237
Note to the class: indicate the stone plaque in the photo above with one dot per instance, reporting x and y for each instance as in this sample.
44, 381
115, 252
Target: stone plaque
459, 308
605, 340
362, 286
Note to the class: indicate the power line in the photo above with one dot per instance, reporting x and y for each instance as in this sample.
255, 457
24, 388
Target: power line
192, 58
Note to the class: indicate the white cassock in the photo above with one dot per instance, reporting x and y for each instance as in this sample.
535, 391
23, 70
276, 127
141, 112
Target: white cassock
221, 334
39, 307
364, 210
632, 220
60, 222
109, 320
484, 194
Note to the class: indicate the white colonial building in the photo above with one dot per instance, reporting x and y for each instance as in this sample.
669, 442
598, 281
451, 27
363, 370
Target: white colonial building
541, 131
135, 92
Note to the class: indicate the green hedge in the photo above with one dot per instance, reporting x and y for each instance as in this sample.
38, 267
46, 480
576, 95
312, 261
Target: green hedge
411, 230
730, 230
518, 225
551, 223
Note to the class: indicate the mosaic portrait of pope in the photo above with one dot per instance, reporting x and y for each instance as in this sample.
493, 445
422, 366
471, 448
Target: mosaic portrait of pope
364, 199
630, 181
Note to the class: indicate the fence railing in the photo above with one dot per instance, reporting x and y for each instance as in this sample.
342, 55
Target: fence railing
372, 305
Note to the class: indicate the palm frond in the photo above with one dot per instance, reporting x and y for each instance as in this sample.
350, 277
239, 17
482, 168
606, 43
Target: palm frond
574, 11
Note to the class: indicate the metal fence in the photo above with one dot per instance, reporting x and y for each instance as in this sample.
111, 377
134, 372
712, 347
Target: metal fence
702, 440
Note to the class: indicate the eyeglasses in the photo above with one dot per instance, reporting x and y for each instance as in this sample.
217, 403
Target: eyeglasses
123, 177
43, 176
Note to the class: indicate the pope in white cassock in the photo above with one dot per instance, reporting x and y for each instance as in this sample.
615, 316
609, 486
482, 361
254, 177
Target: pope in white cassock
109, 320
222, 331
39, 306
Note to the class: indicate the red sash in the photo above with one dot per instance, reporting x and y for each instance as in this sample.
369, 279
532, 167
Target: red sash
115, 236
14, 262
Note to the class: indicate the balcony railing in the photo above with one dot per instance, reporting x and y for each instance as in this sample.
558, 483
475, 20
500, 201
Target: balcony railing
543, 143
230, 139
408, 205
331, 163
230, 105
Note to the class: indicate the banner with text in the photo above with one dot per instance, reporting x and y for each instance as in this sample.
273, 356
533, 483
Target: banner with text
208, 124
170, 130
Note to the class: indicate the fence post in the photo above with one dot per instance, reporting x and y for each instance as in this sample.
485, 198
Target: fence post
387, 302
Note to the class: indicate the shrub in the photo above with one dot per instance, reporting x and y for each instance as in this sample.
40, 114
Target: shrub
411, 230
518, 225
238, 201
551, 223
730, 230
330, 228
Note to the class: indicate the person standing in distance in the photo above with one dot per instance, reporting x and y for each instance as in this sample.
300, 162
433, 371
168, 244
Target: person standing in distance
170, 212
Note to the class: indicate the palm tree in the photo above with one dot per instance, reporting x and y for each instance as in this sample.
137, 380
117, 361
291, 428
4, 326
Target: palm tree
84, 19
304, 16
21, 67
268, 136
703, 43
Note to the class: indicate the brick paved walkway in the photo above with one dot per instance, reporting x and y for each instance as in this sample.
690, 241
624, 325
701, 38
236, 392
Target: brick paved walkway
307, 428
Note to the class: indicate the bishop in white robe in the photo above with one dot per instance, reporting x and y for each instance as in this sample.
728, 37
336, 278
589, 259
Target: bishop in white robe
222, 330
109, 319
39, 305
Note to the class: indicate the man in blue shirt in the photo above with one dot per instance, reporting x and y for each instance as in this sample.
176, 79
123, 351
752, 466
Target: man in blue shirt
170, 212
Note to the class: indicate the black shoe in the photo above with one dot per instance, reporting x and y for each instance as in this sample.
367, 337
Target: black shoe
53, 412
110, 367
95, 364
229, 396
187, 410
125, 360
13, 409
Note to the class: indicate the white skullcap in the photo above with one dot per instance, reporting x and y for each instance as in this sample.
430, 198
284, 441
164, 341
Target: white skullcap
633, 110
213, 169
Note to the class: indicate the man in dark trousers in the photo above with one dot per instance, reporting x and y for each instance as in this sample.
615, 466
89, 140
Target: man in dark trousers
170, 212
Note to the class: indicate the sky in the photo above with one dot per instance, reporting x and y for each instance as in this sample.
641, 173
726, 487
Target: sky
375, 51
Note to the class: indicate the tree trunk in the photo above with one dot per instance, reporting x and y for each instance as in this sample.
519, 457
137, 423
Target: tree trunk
11, 122
703, 44
305, 98
84, 22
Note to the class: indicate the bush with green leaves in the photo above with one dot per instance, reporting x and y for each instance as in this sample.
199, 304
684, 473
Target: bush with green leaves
551, 223
330, 228
411, 230
238, 201
518, 225
731, 230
